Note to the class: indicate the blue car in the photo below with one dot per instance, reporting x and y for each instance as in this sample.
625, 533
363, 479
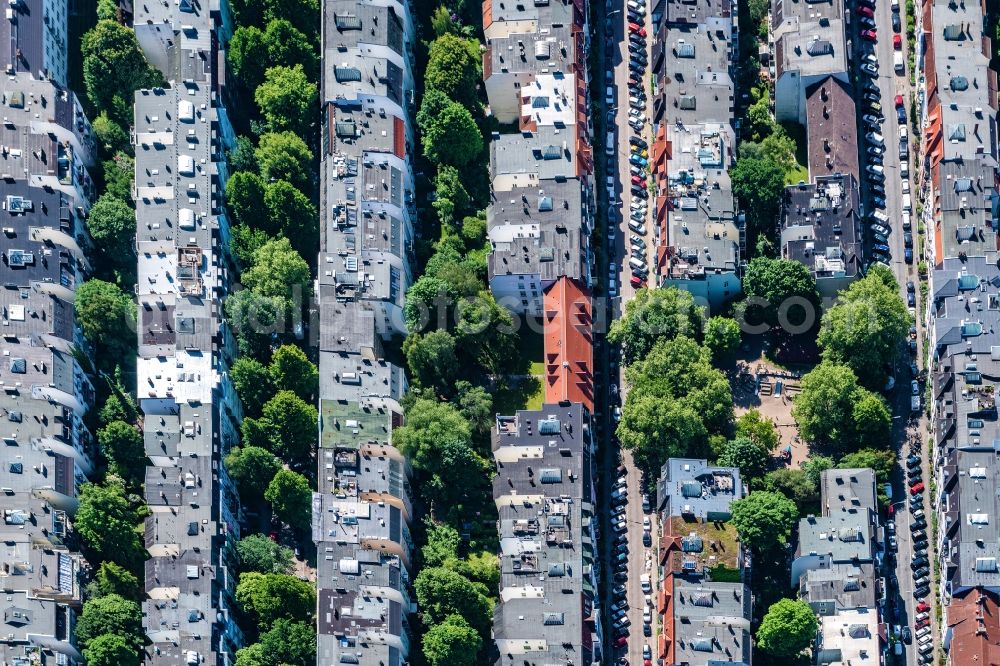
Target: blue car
884, 249
638, 160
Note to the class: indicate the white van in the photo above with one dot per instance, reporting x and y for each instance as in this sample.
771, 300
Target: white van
609, 146
636, 263
906, 202
897, 62
644, 583
906, 220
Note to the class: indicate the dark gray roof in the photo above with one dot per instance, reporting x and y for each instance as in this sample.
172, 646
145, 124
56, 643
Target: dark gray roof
545, 497
822, 226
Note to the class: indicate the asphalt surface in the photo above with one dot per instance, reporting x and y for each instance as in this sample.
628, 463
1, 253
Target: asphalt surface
640, 558
907, 428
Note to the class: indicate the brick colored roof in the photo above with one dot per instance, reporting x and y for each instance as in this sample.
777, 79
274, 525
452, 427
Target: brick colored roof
974, 620
569, 350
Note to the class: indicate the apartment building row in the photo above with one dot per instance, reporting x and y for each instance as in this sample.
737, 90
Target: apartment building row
542, 210
837, 569
701, 592
539, 222
363, 505
191, 413
961, 214
700, 242
46, 149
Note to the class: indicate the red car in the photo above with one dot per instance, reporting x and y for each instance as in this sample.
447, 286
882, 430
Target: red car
920, 624
637, 281
917, 488
892, 509
865, 11
897, 42
637, 29
922, 607
899, 101
621, 641
636, 180
870, 35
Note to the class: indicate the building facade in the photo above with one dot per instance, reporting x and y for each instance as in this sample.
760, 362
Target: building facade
363, 505
45, 191
191, 413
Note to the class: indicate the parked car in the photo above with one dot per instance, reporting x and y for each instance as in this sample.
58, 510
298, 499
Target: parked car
921, 592
869, 35
898, 101
879, 229
906, 635
916, 488
897, 41
869, 69
896, 26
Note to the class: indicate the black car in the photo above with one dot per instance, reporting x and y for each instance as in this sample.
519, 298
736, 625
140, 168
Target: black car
919, 561
906, 635
921, 592
621, 577
922, 571
647, 540
911, 288
901, 115
918, 524
911, 300
920, 545
636, 141
908, 255
646, 629
895, 22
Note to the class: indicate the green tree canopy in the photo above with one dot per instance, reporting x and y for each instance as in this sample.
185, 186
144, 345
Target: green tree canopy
764, 520
778, 282
111, 614
291, 370
241, 157
114, 579
106, 523
833, 410
110, 136
453, 642
111, 650
758, 428
114, 67
245, 200
865, 329
122, 444
253, 468
453, 138
455, 459
451, 199
248, 55
442, 544
722, 336
286, 427
655, 314
119, 172
750, 457
107, 316
278, 270
289, 45
291, 497
253, 384
476, 405
258, 321
654, 429
285, 156
428, 423
259, 553
432, 360
681, 369
796, 485
758, 185
292, 216
286, 643
815, 465
442, 592
274, 596
788, 628
879, 460
288, 99
454, 67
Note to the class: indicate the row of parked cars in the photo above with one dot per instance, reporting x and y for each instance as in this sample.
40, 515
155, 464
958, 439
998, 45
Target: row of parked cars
619, 609
920, 566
